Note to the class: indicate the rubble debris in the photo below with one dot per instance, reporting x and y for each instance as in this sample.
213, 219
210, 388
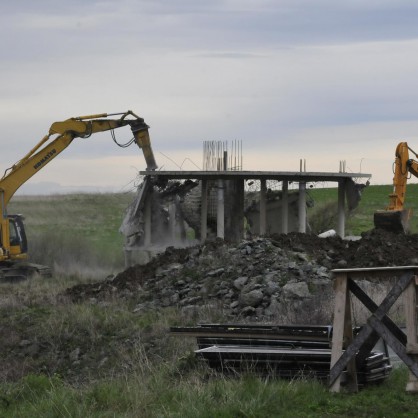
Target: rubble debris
260, 278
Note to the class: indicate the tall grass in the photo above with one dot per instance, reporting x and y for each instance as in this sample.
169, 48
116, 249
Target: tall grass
76, 234
158, 392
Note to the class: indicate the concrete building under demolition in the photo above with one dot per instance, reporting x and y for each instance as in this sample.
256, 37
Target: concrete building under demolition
179, 208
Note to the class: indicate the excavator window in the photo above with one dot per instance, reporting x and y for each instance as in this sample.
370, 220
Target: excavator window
17, 232
14, 237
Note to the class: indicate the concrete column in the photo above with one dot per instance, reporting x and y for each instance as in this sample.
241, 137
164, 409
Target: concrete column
147, 220
234, 209
172, 221
220, 216
204, 211
128, 258
285, 206
302, 207
263, 207
341, 209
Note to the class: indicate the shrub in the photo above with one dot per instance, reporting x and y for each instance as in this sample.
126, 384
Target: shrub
323, 217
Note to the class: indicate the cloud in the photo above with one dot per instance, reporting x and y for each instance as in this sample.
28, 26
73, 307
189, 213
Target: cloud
288, 78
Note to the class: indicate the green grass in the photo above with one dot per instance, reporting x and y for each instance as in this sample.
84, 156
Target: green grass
160, 393
78, 229
361, 219
129, 366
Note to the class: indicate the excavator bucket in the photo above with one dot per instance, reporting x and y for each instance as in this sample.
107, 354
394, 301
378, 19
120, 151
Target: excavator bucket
396, 221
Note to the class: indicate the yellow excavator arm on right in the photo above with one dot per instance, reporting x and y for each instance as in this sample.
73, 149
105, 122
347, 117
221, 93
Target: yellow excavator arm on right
395, 217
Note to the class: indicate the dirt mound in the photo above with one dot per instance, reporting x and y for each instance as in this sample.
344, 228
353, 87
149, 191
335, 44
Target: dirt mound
376, 248
133, 277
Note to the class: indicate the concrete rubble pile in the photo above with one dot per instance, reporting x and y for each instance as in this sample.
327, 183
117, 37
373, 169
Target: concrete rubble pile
286, 277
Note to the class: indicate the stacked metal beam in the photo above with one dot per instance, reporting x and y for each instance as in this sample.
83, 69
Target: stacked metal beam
278, 351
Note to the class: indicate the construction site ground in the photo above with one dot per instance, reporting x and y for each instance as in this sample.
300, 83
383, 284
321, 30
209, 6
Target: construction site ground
282, 279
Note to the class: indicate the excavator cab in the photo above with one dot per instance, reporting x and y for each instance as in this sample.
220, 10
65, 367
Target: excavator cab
18, 241
18, 246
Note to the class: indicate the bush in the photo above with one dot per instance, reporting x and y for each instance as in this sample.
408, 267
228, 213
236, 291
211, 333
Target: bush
323, 217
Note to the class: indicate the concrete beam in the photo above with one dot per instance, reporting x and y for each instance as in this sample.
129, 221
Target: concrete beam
294, 176
302, 207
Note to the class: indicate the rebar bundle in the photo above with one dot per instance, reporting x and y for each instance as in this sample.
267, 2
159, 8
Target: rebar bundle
222, 155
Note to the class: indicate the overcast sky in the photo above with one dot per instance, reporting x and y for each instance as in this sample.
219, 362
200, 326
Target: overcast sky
320, 80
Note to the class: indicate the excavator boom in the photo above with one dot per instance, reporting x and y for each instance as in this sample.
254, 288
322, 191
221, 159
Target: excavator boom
61, 134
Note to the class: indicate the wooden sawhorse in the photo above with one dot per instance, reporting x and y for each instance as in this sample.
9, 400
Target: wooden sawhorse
346, 349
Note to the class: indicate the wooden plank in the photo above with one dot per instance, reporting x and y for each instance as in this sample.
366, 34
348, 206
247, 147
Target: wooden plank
410, 302
398, 269
349, 353
412, 387
394, 343
393, 295
348, 338
340, 287
372, 307
412, 348
338, 367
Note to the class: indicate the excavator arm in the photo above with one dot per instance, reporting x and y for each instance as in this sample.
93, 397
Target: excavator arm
396, 218
59, 137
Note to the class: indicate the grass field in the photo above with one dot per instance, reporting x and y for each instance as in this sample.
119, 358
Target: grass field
75, 230
112, 361
361, 219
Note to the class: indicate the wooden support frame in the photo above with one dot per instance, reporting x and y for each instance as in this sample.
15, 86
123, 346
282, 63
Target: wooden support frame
411, 299
346, 350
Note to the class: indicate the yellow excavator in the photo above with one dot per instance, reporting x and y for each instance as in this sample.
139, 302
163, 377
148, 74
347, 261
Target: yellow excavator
13, 243
396, 218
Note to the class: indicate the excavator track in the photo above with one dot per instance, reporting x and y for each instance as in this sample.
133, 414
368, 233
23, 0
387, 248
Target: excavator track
16, 272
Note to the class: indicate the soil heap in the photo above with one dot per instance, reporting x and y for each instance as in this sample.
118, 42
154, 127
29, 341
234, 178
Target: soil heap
260, 278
